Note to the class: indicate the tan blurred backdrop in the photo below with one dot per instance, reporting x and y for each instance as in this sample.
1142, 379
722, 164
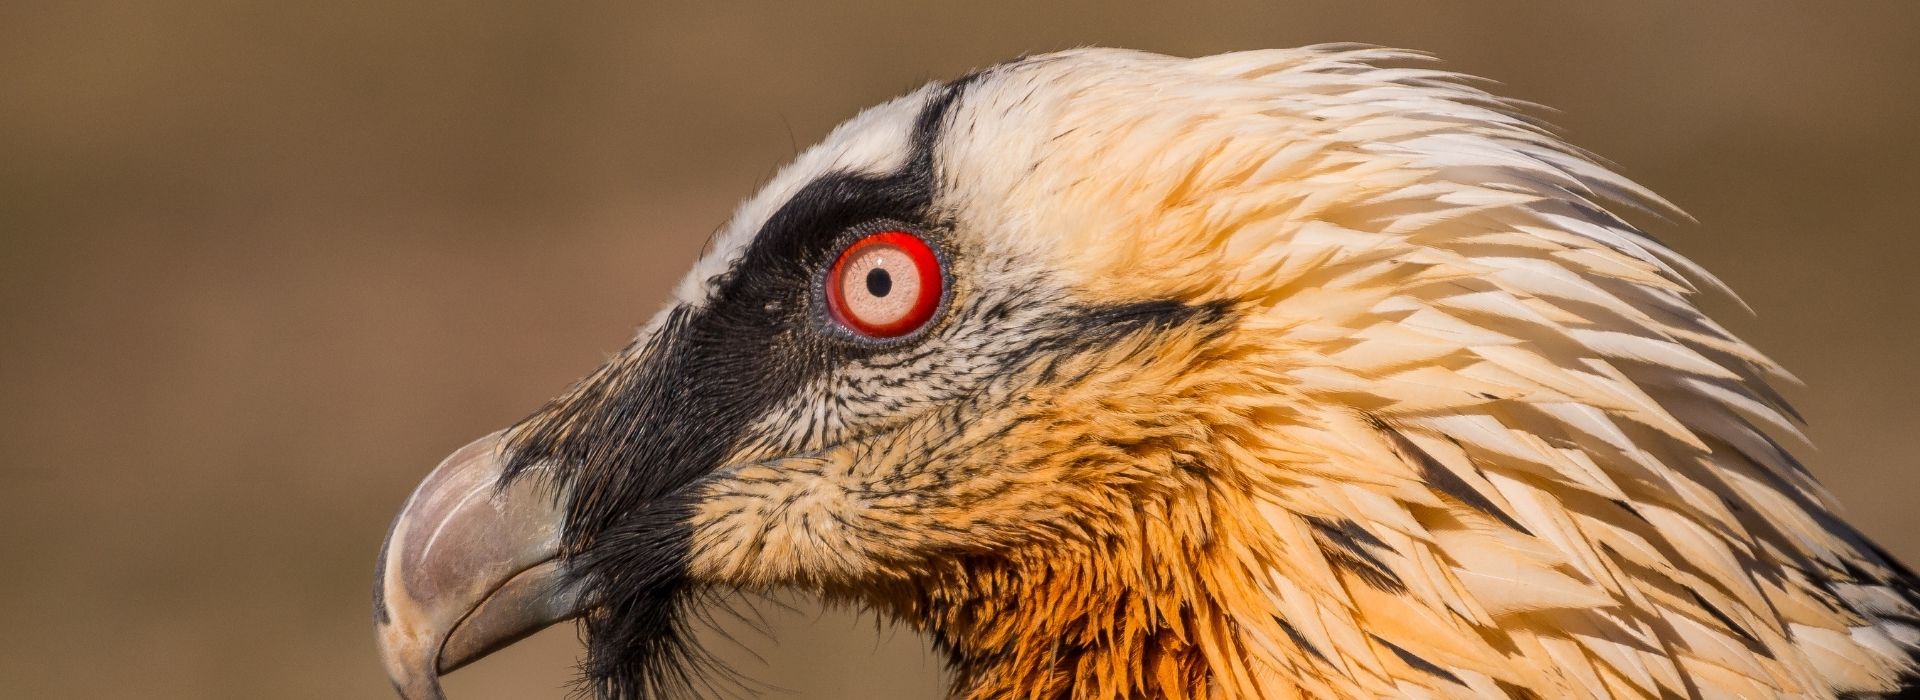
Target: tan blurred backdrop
261, 266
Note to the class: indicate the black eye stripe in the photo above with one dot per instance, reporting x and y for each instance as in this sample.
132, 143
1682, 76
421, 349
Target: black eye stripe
804, 230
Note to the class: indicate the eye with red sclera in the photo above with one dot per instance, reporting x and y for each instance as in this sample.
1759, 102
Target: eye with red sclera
885, 285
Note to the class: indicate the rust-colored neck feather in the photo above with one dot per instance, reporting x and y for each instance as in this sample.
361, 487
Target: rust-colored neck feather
1145, 613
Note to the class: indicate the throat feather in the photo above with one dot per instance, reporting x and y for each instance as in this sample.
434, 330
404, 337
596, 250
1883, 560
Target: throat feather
1156, 610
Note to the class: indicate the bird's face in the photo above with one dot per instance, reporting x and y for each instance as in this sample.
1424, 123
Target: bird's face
887, 361
1088, 336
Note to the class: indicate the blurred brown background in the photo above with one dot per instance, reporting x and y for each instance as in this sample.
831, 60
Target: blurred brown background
261, 266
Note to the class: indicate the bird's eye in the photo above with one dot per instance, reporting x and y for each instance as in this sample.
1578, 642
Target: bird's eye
885, 285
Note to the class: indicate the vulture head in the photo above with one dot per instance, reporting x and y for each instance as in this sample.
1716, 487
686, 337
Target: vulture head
1297, 373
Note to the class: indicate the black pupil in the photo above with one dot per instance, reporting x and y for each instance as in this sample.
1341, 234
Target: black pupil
879, 283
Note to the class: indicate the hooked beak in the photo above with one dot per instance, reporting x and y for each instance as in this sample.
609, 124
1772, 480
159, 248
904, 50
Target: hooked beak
469, 567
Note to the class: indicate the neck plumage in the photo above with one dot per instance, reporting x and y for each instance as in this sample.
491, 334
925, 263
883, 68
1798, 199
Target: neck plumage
1158, 607
1229, 566
1178, 558
1039, 626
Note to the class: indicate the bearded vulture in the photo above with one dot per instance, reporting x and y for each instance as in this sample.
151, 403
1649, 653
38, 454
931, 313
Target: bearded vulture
1310, 373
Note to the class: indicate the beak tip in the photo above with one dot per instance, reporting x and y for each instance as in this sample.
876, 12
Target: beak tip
429, 691
413, 675
410, 654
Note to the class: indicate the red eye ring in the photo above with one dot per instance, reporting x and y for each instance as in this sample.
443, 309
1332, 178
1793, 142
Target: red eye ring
874, 305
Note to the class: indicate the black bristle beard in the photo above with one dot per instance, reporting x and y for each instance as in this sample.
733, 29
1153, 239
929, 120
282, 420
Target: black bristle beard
642, 641
639, 643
